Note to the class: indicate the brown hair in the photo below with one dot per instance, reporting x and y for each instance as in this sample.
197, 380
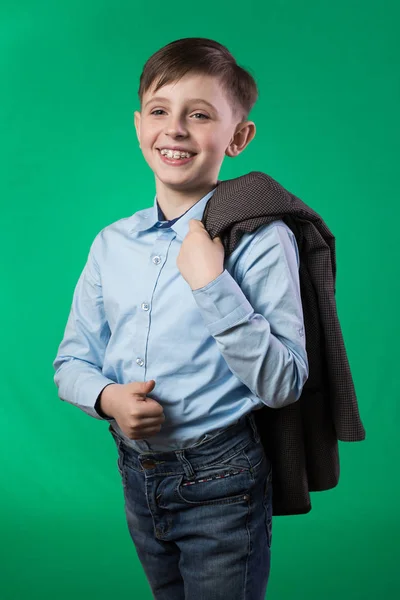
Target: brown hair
201, 56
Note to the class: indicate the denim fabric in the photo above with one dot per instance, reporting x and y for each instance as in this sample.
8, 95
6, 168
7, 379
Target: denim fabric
201, 517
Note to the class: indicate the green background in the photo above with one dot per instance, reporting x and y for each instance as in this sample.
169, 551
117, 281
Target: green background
327, 129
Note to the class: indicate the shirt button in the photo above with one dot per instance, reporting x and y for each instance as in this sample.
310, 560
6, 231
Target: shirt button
140, 362
145, 306
157, 260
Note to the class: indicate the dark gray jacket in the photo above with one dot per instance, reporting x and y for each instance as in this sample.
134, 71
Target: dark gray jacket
300, 439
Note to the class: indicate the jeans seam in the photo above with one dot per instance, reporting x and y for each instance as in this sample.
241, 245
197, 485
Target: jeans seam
268, 521
248, 552
253, 468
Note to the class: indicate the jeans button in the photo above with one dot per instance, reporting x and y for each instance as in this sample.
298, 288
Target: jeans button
148, 464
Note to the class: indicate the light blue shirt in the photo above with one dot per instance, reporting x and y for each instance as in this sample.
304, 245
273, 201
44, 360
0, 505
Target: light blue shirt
215, 353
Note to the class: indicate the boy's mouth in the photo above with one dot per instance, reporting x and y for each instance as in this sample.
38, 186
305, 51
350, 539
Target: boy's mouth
175, 159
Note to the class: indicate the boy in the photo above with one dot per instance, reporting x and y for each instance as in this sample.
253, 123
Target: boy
157, 310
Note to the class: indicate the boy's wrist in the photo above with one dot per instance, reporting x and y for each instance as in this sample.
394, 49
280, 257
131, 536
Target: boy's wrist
102, 405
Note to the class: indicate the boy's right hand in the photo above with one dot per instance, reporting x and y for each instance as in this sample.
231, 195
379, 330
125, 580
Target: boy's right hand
137, 416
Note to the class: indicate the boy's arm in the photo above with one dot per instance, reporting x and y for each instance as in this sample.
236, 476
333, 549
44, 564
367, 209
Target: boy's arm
80, 355
259, 327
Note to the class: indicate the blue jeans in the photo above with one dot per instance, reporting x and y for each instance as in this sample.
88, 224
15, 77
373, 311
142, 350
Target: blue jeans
201, 517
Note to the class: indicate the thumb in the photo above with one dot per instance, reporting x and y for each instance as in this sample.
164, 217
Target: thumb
196, 223
141, 387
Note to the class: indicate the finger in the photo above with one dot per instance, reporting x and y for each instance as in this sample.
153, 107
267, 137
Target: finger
151, 421
145, 432
196, 223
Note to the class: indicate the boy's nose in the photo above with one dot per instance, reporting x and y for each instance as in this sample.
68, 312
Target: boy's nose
175, 128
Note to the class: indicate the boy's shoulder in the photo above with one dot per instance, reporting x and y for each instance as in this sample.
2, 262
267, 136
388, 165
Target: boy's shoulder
110, 234
276, 223
128, 223
125, 224
269, 229
275, 233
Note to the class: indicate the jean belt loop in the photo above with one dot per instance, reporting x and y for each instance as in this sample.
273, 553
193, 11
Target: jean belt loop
187, 467
253, 424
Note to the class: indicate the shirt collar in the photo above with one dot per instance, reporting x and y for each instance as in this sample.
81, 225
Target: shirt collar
149, 217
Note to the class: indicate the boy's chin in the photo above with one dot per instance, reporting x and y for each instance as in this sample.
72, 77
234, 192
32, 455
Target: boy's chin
175, 178
175, 183
181, 184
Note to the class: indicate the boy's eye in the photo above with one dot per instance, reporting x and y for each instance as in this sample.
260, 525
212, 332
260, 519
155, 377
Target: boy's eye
201, 115
160, 110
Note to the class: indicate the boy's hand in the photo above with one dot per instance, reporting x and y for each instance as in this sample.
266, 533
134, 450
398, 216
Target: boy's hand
200, 259
138, 416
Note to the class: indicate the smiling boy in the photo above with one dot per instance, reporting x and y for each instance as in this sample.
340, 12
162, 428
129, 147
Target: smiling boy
169, 126
158, 309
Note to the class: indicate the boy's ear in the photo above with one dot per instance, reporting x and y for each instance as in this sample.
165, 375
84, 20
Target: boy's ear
136, 117
242, 138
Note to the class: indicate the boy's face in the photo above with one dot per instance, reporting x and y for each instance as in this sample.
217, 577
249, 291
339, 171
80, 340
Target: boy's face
178, 116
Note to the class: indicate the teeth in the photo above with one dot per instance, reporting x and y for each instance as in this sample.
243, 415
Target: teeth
175, 153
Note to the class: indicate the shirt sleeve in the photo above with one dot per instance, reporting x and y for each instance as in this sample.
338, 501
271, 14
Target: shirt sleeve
258, 325
80, 356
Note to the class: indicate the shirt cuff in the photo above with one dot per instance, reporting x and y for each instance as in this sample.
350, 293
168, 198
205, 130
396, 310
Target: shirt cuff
222, 303
92, 390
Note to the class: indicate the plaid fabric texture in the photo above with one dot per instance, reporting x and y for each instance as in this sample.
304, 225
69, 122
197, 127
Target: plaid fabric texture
301, 439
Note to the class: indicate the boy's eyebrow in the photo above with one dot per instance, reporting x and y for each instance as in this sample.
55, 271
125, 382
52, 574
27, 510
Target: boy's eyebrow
161, 99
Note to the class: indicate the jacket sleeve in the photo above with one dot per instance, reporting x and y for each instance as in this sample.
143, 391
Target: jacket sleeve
258, 325
80, 356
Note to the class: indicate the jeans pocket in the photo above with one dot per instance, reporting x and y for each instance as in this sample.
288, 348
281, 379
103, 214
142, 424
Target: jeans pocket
225, 482
267, 501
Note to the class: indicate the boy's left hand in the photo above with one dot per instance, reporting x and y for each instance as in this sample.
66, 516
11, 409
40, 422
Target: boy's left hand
200, 259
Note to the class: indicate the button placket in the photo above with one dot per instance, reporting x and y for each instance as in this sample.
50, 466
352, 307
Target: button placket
160, 250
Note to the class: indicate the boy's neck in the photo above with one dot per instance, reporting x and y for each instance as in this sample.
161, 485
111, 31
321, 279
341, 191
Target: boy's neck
174, 203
